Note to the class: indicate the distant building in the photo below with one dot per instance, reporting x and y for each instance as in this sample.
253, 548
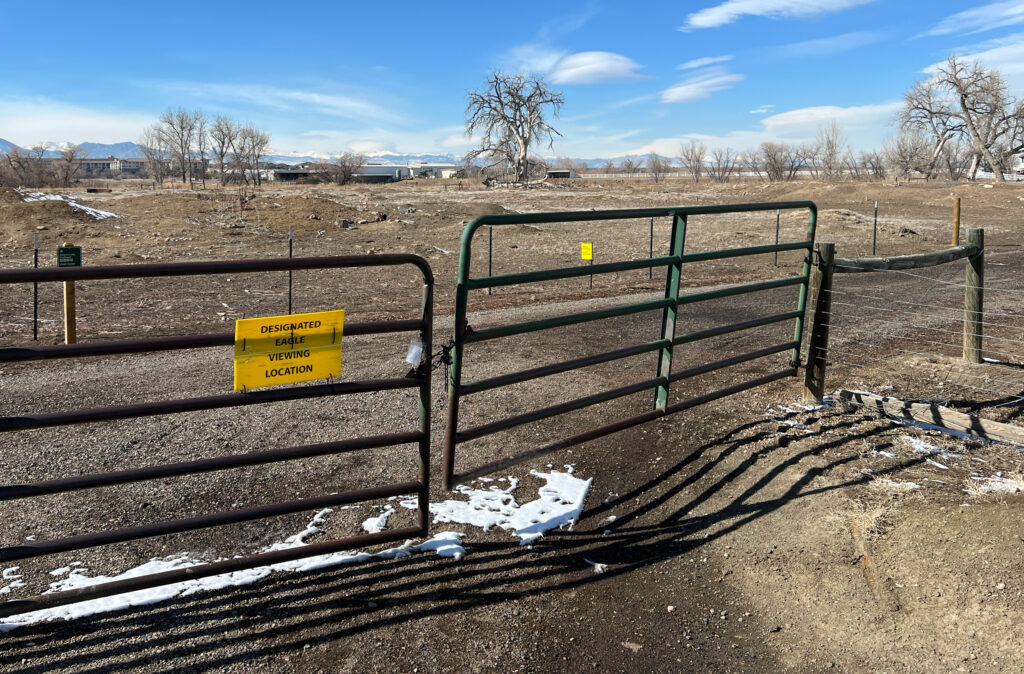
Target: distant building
382, 173
561, 173
435, 170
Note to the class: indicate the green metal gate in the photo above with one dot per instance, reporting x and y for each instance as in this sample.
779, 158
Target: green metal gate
674, 262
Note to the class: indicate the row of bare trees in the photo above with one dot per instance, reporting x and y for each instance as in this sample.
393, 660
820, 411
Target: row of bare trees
183, 142
31, 168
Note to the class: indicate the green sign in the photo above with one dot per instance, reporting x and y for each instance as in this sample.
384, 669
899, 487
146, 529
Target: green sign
69, 256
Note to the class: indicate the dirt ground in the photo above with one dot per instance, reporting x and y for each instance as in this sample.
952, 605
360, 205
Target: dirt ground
748, 534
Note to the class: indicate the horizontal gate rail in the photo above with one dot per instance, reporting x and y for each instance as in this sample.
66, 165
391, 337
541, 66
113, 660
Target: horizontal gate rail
153, 344
117, 412
673, 262
420, 379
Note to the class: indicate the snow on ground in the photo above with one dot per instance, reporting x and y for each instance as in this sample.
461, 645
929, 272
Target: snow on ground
997, 484
42, 196
560, 504
375, 525
885, 484
445, 544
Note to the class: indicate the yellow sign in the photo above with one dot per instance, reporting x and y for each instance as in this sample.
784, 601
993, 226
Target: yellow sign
586, 251
286, 349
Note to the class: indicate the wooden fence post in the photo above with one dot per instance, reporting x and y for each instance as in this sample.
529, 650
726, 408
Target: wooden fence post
956, 221
817, 348
974, 290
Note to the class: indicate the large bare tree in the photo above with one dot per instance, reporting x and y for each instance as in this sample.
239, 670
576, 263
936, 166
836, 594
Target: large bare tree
509, 114
180, 129
66, 167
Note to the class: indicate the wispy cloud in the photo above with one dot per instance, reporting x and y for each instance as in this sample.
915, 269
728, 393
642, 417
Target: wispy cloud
762, 109
329, 103
531, 58
701, 85
28, 120
591, 67
561, 25
704, 62
733, 10
830, 45
978, 19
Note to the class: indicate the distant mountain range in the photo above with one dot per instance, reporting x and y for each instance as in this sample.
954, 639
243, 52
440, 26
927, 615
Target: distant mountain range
128, 149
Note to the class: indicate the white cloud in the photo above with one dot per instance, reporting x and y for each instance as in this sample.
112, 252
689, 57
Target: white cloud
830, 45
700, 86
705, 61
1005, 54
333, 104
531, 58
591, 67
29, 120
863, 126
733, 10
762, 109
978, 19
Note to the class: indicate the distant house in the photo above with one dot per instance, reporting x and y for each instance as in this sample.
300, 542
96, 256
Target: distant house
561, 173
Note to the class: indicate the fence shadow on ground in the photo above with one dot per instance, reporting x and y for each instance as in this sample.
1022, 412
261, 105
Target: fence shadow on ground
283, 614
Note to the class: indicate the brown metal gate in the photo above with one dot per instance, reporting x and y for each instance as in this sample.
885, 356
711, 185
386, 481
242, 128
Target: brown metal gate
420, 379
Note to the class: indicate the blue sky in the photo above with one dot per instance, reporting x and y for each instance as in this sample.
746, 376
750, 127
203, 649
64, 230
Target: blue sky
637, 76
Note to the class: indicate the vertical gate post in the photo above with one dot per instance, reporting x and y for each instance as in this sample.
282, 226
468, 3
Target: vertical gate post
817, 348
426, 339
668, 317
956, 221
974, 290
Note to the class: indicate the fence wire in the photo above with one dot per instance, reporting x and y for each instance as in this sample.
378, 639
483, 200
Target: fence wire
900, 333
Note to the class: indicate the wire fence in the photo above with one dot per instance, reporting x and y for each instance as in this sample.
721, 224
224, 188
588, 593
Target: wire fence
901, 333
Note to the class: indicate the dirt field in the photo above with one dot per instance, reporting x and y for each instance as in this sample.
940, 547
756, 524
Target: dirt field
749, 534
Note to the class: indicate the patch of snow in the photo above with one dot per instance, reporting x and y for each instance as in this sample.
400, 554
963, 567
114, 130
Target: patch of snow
375, 525
42, 196
888, 455
598, 568
886, 484
996, 485
560, 504
938, 465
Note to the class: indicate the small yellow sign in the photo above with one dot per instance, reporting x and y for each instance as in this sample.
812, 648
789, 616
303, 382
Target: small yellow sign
286, 349
586, 251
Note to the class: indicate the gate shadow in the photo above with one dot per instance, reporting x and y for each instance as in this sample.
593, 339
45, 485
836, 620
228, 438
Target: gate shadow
329, 605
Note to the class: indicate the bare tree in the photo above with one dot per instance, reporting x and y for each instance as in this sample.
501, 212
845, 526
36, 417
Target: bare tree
774, 158
691, 158
154, 148
908, 153
929, 110
27, 168
994, 120
629, 166
342, 168
223, 135
179, 129
831, 145
873, 162
510, 113
609, 167
658, 166
248, 149
753, 161
956, 158
723, 165
66, 167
